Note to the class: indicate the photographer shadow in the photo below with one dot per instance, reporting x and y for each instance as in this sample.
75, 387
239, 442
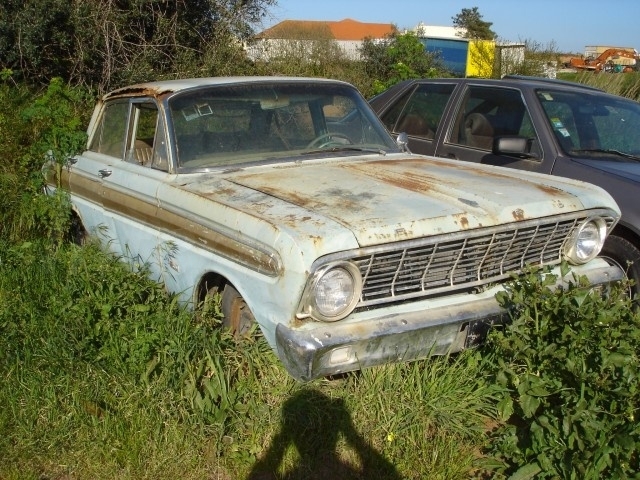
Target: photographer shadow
314, 424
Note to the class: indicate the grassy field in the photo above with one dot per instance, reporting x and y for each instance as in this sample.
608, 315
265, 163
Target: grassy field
105, 376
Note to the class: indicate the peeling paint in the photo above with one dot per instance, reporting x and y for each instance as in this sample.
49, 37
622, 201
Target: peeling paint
518, 214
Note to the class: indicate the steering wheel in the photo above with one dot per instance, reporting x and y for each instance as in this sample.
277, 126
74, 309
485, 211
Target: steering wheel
328, 138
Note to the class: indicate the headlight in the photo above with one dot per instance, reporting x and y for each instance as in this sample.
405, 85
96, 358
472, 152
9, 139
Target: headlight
335, 291
586, 242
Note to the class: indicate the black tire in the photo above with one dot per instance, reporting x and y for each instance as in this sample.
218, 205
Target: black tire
237, 315
626, 255
77, 233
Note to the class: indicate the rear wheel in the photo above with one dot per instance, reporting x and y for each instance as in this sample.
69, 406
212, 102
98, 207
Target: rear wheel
621, 252
77, 233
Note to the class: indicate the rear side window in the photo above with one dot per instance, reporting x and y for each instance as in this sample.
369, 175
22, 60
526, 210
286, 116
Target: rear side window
423, 111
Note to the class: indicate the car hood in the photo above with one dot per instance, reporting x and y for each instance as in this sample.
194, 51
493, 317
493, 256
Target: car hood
400, 198
624, 168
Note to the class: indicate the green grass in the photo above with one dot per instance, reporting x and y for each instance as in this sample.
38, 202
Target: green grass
623, 84
106, 376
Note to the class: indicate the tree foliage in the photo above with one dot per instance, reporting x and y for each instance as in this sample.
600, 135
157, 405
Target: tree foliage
399, 57
470, 20
106, 43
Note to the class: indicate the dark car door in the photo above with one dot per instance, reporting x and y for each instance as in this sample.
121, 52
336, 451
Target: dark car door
488, 119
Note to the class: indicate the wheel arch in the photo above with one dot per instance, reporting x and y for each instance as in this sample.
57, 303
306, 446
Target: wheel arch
629, 234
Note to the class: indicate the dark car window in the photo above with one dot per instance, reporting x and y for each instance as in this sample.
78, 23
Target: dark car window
489, 112
390, 117
423, 111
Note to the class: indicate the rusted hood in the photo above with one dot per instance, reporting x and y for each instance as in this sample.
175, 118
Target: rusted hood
399, 198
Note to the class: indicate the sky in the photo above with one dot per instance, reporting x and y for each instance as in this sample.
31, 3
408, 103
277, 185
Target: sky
570, 25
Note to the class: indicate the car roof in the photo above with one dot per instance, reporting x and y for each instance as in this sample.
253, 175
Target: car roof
518, 80
164, 87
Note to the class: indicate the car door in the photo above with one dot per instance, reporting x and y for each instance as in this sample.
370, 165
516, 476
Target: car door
487, 117
419, 114
130, 185
86, 172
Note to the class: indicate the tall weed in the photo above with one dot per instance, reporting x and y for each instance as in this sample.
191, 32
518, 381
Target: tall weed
623, 84
569, 365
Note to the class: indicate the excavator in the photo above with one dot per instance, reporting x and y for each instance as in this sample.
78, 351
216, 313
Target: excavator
608, 61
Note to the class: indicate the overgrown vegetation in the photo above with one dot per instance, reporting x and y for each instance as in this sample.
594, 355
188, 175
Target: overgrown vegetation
105, 375
568, 366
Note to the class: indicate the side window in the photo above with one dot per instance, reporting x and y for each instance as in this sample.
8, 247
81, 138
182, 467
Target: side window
390, 117
111, 132
489, 112
423, 111
148, 145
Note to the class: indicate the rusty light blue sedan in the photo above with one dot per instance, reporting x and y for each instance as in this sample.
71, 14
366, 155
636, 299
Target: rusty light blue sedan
289, 198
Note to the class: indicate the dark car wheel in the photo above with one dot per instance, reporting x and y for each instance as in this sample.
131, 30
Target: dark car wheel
626, 255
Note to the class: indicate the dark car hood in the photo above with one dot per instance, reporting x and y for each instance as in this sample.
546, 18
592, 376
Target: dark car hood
623, 168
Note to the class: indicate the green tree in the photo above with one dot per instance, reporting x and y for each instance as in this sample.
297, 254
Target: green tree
106, 43
399, 57
470, 21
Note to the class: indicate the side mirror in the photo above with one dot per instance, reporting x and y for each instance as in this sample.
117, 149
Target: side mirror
403, 142
513, 147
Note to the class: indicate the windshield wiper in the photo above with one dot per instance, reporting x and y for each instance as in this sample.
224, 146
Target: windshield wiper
609, 151
379, 151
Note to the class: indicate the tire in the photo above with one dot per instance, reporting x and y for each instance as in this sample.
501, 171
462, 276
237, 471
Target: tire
77, 234
621, 252
237, 316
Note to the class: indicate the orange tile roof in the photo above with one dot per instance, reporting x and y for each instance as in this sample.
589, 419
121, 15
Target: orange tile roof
346, 29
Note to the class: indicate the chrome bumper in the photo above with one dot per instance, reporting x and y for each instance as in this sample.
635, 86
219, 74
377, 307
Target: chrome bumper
333, 348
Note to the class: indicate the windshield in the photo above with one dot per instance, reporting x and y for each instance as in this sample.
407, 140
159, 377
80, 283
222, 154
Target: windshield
593, 123
256, 122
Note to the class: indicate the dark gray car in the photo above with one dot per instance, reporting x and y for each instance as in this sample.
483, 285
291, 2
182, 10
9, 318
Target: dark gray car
547, 126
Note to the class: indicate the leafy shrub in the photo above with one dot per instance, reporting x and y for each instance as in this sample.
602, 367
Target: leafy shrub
569, 367
32, 127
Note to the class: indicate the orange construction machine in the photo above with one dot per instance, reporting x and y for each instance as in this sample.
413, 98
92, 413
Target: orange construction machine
611, 60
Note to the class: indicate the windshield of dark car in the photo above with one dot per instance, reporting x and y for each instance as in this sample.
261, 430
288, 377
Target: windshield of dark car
227, 125
592, 122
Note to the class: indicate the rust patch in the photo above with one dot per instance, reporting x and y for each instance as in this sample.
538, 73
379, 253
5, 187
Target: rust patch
464, 223
407, 180
142, 90
548, 189
518, 214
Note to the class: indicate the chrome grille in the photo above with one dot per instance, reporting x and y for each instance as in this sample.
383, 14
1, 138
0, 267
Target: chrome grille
460, 261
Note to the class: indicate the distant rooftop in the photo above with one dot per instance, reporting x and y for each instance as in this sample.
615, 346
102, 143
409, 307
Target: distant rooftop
345, 30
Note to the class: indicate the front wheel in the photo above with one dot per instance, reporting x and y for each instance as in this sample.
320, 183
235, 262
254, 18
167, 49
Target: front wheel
237, 316
621, 252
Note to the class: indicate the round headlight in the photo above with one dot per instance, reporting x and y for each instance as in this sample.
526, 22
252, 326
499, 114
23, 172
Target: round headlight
587, 241
336, 292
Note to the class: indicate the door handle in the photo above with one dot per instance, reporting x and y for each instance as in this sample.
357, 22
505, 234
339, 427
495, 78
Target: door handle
105, 172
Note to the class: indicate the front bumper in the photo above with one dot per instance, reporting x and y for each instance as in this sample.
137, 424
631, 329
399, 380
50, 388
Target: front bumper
333, 348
